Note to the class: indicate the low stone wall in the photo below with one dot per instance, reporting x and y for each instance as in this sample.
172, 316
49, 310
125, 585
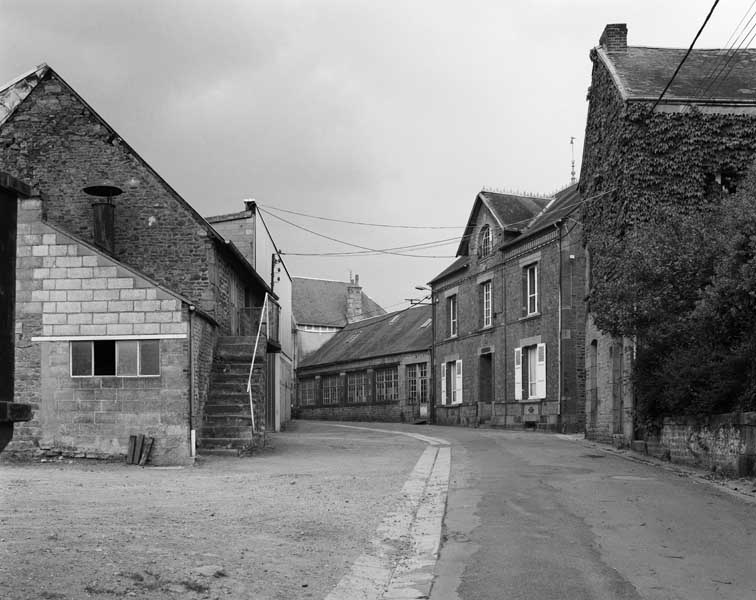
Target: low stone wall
724, 443
392, 412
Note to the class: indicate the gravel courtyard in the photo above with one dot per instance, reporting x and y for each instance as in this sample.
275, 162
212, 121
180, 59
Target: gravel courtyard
285, 523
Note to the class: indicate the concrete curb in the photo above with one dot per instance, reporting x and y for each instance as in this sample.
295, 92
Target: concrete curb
405, 548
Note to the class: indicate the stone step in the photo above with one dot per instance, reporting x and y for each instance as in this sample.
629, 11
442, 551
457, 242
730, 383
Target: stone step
222, 443
215, 408
223, 388
226, 432
226, 420
230, 368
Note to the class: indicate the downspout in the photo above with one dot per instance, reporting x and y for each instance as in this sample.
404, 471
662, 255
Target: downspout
506, 329
558, 226
432, 399
192, 431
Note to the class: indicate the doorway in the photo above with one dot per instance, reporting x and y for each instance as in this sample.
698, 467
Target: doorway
485, 377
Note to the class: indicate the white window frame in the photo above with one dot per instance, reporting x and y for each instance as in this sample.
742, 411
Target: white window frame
457, 393
116, 374
532, 371
518, 373
532, 289
453, 315
487, 303
485, 241
443, 384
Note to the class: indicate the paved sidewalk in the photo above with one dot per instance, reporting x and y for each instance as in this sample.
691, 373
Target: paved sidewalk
286, 523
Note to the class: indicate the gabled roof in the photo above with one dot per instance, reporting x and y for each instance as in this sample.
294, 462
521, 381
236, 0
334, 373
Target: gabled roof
324, 302
395, 333
564, 202
460, 263
13, 94
640, 73
511, 212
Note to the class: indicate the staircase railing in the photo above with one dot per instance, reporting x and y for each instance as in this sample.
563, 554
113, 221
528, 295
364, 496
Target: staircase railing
263, 318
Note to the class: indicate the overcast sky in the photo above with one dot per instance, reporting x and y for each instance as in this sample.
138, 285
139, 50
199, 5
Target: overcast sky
394, 112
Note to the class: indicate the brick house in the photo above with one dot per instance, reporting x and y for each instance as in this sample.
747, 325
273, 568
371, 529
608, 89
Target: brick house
697, 143
323, 307
509, 316
376, 369
249, 233
130, 309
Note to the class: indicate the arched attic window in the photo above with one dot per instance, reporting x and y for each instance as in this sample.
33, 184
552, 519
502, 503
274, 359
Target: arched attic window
484, 241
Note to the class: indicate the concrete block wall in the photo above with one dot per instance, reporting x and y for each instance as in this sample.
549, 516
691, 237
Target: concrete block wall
66, 290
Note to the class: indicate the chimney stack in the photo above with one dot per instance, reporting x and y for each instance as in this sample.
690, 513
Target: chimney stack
354, 300
614, 38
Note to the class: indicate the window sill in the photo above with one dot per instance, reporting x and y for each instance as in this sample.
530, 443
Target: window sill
486, 327
452, 337
535, 315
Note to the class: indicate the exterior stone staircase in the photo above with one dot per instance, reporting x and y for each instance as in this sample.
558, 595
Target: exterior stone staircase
226, 421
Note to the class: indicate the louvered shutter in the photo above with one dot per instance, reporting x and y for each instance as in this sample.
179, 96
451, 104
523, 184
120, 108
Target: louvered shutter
458, 382
518, 373
443, 383
541, 371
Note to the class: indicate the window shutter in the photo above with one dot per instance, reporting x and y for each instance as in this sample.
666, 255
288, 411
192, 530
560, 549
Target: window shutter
443, 383
458, 382
541, 371
524, 292
518, 373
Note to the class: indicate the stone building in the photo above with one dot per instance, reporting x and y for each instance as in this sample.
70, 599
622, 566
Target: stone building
128, 301
508, 315
249, 233
376, 369
638, 162
324, 307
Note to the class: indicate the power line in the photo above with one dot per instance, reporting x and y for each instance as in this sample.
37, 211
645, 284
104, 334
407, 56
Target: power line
693, 43
301, 214
375, 250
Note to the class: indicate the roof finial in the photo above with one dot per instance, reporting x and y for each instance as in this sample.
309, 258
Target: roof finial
572, 147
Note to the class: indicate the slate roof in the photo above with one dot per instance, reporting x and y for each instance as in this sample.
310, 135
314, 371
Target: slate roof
323, 302
459, 264
391, 334
641, 73
565, 201
512, 212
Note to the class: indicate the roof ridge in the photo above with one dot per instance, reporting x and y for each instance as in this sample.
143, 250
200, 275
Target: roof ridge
512, 192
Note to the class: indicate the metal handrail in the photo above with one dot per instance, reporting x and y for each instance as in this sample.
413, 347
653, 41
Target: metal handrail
254, 355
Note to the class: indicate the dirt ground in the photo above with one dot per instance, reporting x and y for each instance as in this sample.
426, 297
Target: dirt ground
283, 524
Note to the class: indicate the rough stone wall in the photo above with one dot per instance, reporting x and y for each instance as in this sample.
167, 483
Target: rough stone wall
204, 338
725, 443
57, 145
614, 413
395, 411
66, 288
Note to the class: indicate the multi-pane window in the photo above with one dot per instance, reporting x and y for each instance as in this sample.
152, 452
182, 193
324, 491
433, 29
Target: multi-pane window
330, 389
486, 296
387, 384
357, 387
417, 383
119, 358
307, 392
451, 303
484, 248
530, 289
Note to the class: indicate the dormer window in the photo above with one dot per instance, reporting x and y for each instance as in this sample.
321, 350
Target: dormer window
484, 245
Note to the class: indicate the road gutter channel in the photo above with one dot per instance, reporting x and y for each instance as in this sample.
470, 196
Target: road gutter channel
405, 548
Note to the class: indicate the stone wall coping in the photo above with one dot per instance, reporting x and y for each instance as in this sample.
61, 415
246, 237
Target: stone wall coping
725, 419
9, 182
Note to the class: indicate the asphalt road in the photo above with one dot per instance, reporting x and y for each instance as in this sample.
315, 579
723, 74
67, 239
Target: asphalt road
538, 517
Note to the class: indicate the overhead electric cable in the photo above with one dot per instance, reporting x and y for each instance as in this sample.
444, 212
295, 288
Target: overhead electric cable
349, 243
301, 214
693, 43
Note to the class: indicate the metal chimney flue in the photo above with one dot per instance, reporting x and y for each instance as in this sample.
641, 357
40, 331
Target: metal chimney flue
103, 212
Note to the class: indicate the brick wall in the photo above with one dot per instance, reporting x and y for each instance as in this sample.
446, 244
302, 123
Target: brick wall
66, 289
510, 330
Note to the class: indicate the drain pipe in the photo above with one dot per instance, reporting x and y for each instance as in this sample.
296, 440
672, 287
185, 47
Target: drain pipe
192, 431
